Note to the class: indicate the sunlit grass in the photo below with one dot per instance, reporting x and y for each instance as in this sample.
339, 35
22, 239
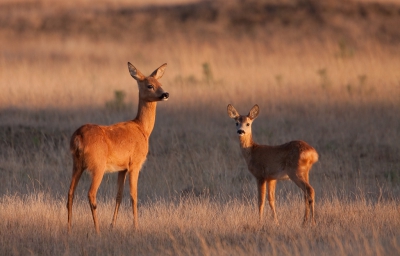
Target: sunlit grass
200, 226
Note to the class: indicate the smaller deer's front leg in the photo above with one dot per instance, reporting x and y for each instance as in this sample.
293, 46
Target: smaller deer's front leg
271, 197
262, 187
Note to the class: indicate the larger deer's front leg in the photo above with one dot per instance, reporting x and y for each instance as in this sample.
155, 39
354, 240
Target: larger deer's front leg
261, 185
133, 180
121, 182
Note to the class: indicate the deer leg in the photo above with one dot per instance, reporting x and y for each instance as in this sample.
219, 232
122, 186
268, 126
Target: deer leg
271, 198
133, 180
261, 185
309, 198
76, 175
97, 176
309, 195
121, 182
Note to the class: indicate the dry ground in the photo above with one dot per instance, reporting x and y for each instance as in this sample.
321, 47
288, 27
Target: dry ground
200, 227
324, 73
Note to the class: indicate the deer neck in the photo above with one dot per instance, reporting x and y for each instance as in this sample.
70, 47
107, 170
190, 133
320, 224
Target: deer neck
146, 116
246, 145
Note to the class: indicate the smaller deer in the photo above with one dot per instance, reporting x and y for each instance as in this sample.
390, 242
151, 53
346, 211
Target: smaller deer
268, 164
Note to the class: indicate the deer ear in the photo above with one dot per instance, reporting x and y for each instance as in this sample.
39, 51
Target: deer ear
135, 73
159, 72
253, 112
232, 113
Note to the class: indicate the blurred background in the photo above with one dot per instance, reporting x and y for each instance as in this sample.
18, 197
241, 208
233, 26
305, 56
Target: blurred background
327, 72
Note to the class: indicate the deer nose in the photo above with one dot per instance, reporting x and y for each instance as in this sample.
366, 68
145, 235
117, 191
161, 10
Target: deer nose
164, 96
240, 132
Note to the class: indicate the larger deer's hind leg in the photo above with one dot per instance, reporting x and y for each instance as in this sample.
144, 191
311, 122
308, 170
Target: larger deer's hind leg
97, 176
76, 175
261, 185
302, 182
121, 182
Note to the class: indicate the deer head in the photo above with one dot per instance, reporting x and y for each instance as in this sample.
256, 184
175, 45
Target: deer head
150, 89
243, 123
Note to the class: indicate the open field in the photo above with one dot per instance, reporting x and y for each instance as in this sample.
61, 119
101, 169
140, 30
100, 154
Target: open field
324, 73
200, 227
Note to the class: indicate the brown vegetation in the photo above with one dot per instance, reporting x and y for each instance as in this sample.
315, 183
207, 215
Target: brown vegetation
326, 73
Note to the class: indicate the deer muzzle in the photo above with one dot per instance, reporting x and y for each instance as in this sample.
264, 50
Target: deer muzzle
241, 132
164, 96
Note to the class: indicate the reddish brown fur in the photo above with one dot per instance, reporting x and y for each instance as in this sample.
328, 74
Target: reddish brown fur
120, 147
292, 160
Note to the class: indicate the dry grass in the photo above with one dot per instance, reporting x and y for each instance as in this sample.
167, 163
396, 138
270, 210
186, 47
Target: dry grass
200, 227
339, 93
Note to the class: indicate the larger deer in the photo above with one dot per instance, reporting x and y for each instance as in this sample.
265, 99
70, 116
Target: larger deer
121, 147
268, 164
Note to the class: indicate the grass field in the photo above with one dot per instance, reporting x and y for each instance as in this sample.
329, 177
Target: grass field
329, 77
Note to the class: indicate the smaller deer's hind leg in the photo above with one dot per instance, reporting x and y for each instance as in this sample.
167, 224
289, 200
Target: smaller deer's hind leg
261, 186
97, 176
302, 182
76, 175
121, 182
271, 198
309, 197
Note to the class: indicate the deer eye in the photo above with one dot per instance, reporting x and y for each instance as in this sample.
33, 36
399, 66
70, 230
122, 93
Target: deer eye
237, 124
150, 86
248, 124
